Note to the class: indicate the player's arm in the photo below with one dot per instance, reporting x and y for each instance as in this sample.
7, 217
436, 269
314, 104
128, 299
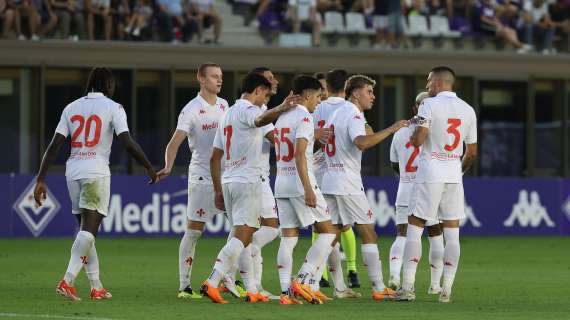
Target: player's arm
364, 142
270, 136
49, 156
216, 172
369, 130
469, 157
322, 135
270, 115
136, 152
301, 164
419, 136
170, 153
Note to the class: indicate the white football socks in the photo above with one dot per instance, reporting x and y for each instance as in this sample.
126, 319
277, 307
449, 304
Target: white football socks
412, 256
436, 252
451, 257
316, 255
227, 258
396, 253
79, 255
261, 237
245, 264
335, 268
92, 269
371, 259
186, 256
285, 261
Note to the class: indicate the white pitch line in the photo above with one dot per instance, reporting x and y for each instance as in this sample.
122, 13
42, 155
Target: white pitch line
47, 316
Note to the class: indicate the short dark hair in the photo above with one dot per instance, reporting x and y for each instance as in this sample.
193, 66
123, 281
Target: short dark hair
319, 75
252, 81
356, 82
302, 83
443, 69
336, 79
202, 68
260, 70
99, 81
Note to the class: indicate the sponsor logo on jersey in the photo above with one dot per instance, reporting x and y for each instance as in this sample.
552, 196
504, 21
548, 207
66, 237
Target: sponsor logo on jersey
528, 212
210, 126
36, 219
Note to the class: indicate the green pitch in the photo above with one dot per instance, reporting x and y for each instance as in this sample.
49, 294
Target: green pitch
499, 278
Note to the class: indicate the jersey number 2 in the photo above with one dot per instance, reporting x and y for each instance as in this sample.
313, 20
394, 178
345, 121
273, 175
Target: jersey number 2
86, 124
409, 166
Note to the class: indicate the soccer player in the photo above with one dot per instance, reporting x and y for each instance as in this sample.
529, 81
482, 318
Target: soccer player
404, 162
238, 140
299, 199
445, 122
347, 201
197, 122
335, 80
91, 121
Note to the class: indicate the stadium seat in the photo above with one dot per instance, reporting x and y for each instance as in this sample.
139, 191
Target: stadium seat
440, 27
334, 23
418, 26
355, 23
291, 40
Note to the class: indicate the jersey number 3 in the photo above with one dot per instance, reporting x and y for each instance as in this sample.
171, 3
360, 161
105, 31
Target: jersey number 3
452, 129
86, 124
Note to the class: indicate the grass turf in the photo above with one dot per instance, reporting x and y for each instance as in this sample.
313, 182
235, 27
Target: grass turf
498, 278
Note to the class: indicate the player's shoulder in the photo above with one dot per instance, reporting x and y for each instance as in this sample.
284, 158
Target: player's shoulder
223, 102
302, 115
193, 105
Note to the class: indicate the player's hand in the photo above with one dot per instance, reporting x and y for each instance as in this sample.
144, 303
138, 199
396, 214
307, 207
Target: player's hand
219, 201
152, 175
311, 198
165, 172
291, 101
323, 135
399, 124
40, 193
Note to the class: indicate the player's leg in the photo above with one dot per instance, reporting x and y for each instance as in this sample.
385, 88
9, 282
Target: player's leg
436, 252
396, 255
289, 224
322, 277
348, 242
452, 209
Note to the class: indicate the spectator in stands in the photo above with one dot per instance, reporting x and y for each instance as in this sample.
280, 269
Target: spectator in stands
509, 11
247, 9
168, 12
142, 13
487, 22
418, 7
365, 7
100, 9
47, 20
7, 17
459, 14
436, 7
396, 34
537, 21
302, 15
560, 16
207, 16
68, 11
329, 5
120, 13
26, 9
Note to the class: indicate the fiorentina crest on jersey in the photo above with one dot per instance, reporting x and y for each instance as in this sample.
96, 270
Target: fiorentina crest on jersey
36, 219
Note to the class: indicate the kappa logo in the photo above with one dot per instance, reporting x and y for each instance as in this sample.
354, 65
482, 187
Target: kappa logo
36, 219
566, 208
528, 213
202, 111
305, 119
470, 217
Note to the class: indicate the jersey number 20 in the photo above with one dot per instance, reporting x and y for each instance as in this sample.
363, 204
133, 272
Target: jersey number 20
86, 124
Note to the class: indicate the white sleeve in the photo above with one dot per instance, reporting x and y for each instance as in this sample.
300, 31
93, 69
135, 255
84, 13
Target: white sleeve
267, 128
248, 116
305, 129
218, 139
472, 131
185, 121
424, 115
120, 120
356, 126
393, 150
62, 127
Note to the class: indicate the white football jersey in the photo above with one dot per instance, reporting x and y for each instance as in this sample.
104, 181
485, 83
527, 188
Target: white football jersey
240, 140
342, 176
91, 121
200, 121
321, 115
406, 155
451, 121
295, 124
265, 147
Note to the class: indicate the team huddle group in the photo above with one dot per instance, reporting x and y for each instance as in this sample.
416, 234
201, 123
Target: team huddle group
318, 134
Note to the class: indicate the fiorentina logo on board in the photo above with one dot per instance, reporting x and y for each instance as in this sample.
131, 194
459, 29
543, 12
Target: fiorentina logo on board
36, 219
